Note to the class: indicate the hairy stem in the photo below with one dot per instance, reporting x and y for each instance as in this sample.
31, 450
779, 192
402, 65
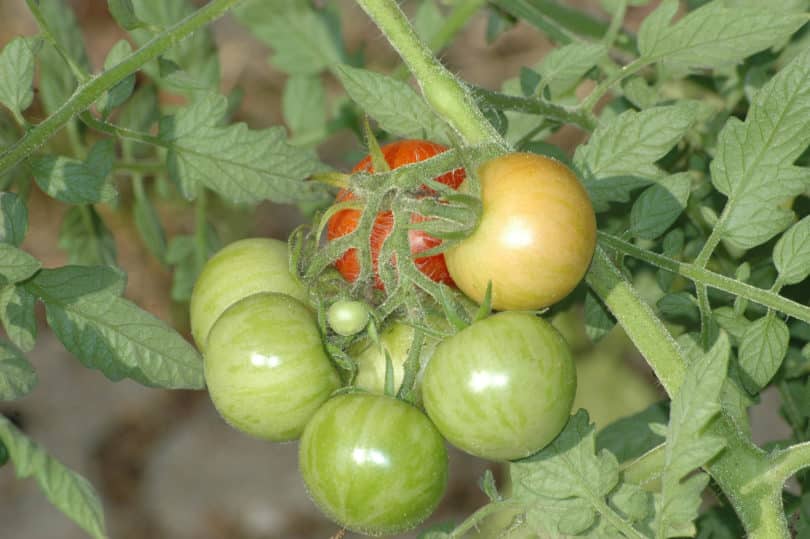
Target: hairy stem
617, 76
445, 94
533, 105
787, 462
88, 92
456, 21
706, 278
615, 24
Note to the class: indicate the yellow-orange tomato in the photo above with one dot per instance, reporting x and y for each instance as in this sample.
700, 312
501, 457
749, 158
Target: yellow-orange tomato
536, 236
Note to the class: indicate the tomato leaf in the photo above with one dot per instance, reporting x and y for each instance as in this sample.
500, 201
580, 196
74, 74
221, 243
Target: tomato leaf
57, 81
182, 255
598, 320
300, 37
563, 68
242, 165
621, 154
111, 334
754, 163
762, 350
18, 316
119, 93
428, 20
147, 221
9, 133
17, 376
197, 55
17, 75
86, 238
13, 219
78, 182
688, 446
393, 103
304, 107
568, 487
659, 206
139, 113
630, 437
124, 14
791, 254
68, 491
714, 35
15, 264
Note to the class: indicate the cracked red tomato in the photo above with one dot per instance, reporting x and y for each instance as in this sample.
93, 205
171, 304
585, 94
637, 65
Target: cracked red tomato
396, 154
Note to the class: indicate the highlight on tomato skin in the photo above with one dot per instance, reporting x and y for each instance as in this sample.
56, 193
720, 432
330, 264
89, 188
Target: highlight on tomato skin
396, 154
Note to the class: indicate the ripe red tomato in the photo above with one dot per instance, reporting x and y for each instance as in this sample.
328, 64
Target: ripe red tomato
396, 154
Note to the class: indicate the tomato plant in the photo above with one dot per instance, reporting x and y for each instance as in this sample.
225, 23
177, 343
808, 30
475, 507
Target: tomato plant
243, 268
373, 463
347, 317
536, 235
265, 366
684, 128
501, 389
396, 154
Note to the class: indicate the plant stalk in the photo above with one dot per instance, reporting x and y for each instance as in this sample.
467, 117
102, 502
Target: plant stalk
444, 93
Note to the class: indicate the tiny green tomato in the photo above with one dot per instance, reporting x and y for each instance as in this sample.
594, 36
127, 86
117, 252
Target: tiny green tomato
374, 464
266, 368
347, 317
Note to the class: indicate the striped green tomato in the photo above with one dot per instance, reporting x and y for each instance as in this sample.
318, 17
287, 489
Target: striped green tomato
502, 388
242, 268
374, 464
266, 368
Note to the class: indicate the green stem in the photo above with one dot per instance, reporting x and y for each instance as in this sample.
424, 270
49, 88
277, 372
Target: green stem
789, 461
88, 92
475, 520
533, 105
615, 24
610, 515
702, 276
446, 94
739, 468
639, 322
121, 132
456, 21
706, 252
603, 87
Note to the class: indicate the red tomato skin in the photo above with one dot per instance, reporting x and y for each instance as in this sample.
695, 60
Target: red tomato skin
396, 154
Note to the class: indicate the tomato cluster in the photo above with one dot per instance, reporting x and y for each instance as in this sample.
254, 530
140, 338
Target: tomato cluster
501, 389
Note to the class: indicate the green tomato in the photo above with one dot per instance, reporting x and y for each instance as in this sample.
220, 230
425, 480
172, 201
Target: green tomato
3, 454
502, 388
347, 317
241, 269
374, 464
370, 357
266, 368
